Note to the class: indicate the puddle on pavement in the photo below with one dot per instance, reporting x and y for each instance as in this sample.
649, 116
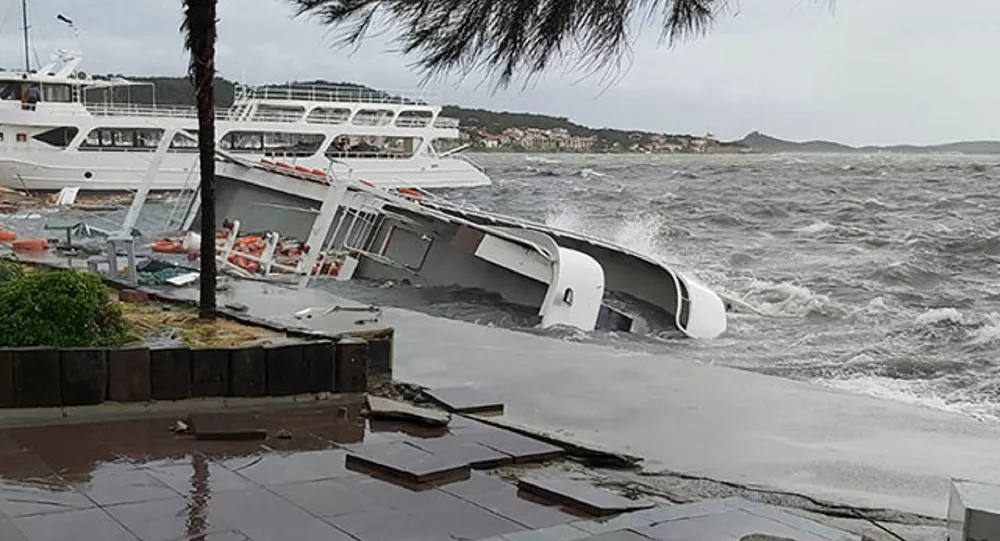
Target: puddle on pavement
137, 479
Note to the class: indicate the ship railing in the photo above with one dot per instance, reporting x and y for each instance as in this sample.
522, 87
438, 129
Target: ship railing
332, 93
373, 154
446, 122
180, 111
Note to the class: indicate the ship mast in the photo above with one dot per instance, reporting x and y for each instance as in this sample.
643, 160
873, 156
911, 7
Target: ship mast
24, 19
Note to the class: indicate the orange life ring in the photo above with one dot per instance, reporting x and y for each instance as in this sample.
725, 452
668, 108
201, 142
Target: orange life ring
282, 165
319, 173
27, 245
366, 183
167, 246
409, 192
7, 236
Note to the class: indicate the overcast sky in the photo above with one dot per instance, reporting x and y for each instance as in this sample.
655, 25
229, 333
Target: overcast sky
861, 71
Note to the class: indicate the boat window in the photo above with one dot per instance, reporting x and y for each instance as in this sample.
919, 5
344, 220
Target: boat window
123, 139
274, 144
57, 93
372, 146
270, 113
373, 117
184, 144
328, 115
414, 119
58, 137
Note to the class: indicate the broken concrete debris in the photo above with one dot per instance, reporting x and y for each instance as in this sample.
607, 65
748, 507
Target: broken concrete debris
385, 408
466, 400
580, 495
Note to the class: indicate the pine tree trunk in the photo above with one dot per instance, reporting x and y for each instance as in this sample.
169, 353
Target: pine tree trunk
201, 28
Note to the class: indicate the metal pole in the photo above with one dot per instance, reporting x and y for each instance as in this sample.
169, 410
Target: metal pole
24, 20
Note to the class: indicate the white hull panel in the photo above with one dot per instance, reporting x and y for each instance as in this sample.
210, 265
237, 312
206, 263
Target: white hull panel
99, 171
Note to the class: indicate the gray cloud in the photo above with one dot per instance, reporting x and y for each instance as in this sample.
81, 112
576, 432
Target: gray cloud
859, 71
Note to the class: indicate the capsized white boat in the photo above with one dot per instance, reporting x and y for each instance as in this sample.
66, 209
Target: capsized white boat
354, 230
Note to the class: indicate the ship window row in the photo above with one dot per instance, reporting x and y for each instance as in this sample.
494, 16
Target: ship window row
268, 144
341, 115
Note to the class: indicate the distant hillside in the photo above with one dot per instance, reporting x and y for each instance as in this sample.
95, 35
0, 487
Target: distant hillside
478, 124
766, 143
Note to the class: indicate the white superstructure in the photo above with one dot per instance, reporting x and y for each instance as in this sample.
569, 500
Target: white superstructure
77, 135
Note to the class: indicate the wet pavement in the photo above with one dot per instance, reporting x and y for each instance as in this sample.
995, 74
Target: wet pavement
138, 480
703, 420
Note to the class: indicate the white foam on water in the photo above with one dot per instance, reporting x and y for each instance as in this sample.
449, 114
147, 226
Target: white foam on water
817, 227
785, 299
989, 332
587, 172
934, 316
915, 392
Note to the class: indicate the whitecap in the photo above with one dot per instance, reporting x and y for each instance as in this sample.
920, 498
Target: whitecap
939, 315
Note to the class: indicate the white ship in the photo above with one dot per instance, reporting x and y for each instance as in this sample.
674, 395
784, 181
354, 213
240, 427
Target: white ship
76, 135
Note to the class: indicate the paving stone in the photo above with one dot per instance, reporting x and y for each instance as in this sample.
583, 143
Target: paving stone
778, 515
477, 455
408, 463
84, 524
162, 519
247, 372
477, 486
467, 400
580, 495
9, 532
84, 374
319, 360
522, 448
732, 524
351, 372
648, 517
209, 372
330, 463
129, 375
6, 379
226, 427
36, 377
384, 524
170, 373
561, 532
182, 475
21, 500
529, 513
123, 483
393, 409
264, 516
286, 373
272, 469
618, 535
324, 498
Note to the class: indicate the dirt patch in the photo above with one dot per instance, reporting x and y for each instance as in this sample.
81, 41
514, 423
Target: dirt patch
156, 323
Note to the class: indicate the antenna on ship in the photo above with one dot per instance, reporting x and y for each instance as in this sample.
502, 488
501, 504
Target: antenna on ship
24, 20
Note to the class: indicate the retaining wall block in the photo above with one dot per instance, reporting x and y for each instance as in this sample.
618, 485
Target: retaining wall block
380, 356
129, 374
170, 371
6, 379
84, 373
247, 371
320, 360
351, 374
36, 377
209, 371
286, 374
